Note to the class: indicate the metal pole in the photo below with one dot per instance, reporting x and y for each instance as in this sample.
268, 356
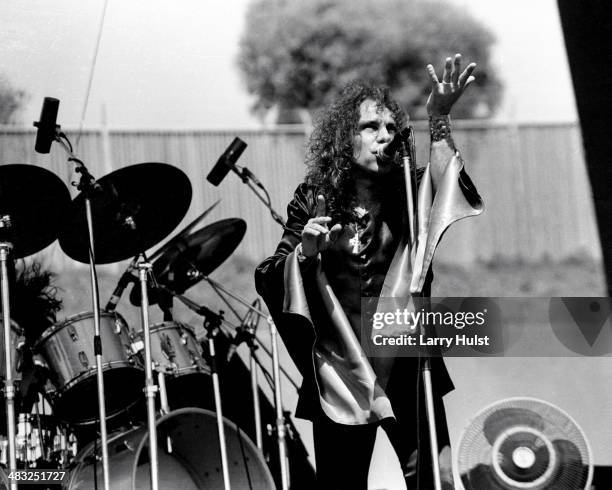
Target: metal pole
97, 345
220, 427
408, 159
9, 388
431, 420
163, 394
256, 406
217, 286
280, 416
150, 387
163, 400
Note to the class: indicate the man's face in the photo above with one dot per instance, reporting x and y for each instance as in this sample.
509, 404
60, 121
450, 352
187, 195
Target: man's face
375, 129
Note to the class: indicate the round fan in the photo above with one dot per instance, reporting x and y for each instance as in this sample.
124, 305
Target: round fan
524, 443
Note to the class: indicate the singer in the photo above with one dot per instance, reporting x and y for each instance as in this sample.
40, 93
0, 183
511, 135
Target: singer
345, 225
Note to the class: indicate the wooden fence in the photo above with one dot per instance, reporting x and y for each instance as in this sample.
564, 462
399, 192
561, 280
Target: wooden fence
533, 179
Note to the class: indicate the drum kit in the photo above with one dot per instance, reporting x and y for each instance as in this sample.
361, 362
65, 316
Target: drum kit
91, 369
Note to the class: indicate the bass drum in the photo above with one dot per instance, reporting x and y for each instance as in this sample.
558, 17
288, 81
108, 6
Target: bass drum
188, 457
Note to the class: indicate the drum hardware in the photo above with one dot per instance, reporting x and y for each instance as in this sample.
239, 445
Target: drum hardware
247, 333
280, 424
191, 275
212, 323
9, 387
87, 185
175, 352
165, 408
127, 209
41, 442
203, 251
144, 269
193, 464
276, 370
32, 202
175, 242
220, 290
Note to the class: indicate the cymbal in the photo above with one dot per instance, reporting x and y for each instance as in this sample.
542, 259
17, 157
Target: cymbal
133, 209
36, 201
201, 252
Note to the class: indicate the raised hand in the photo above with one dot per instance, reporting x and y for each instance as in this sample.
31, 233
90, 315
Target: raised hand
316, 235
444, 94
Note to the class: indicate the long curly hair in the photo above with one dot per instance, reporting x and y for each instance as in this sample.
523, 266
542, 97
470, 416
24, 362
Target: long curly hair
329, 154
34, 299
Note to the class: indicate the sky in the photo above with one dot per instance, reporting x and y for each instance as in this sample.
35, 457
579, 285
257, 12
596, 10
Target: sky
173, 64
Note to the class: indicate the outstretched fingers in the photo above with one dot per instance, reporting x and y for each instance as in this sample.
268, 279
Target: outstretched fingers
448, 65
466, 77
456, 69
432, 75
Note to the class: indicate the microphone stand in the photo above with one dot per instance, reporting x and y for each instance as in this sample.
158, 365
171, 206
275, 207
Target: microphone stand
408, 158
87, 185
253, 182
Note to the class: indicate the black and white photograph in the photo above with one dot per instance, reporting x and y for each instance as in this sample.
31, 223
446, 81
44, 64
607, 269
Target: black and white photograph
317, 244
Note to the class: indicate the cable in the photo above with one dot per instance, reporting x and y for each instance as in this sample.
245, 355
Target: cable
91, 73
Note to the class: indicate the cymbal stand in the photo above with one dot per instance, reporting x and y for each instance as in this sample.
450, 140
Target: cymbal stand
87, 186
144, 269
9, 386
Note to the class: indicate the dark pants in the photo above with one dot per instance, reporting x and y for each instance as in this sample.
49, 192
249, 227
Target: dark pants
343, 452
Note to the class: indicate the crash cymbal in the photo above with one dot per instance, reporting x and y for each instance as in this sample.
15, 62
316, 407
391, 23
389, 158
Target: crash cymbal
133, 209
201, 252
35, 201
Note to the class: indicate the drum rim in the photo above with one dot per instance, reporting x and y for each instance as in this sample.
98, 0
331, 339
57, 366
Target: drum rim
57, 326
80, 460
110, 417
91, 372
158, 327
226, 422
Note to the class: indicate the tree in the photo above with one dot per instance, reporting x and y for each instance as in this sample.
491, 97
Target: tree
298, 54
11, 101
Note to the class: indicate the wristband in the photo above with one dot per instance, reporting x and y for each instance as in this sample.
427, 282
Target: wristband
440, 129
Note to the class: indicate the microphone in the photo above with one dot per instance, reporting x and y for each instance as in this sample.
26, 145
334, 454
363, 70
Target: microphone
125, 279
226, 162
388, 152
47, 126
